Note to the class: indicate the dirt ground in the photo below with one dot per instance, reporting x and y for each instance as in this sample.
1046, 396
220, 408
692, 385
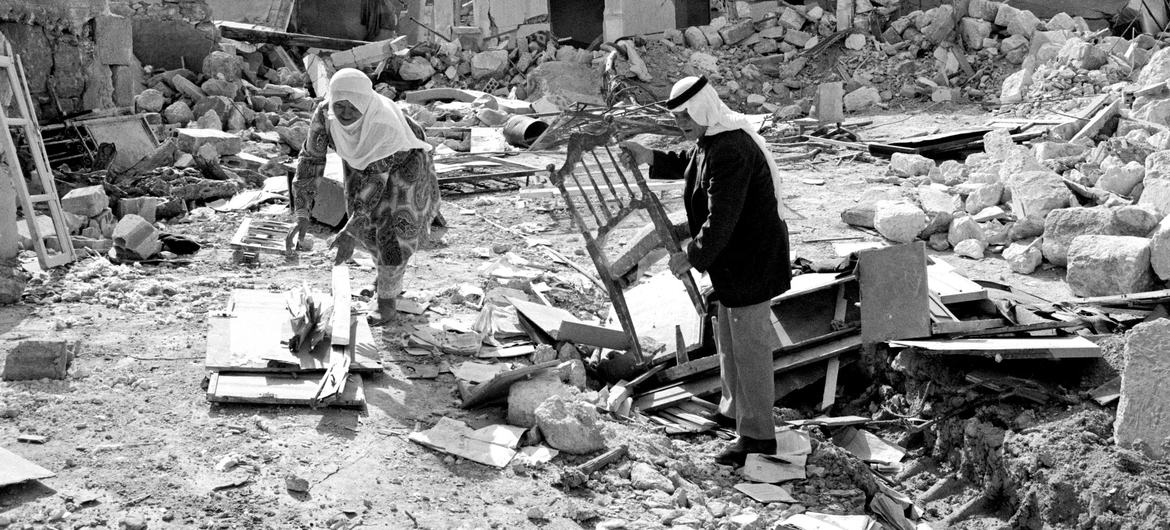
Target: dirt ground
133, 440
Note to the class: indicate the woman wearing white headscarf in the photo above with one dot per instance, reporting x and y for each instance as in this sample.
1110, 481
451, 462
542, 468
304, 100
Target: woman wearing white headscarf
732, 199
392, 194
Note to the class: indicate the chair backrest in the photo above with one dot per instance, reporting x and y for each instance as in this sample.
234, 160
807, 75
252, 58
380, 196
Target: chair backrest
598, 191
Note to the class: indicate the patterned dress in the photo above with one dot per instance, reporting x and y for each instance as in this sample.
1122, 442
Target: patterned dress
391, 203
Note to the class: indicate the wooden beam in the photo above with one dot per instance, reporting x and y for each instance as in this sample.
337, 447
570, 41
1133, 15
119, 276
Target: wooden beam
260, 34
829, 395
341, 310
1008, 348
1094, 126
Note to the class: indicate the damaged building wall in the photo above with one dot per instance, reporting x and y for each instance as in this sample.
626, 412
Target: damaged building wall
184, 25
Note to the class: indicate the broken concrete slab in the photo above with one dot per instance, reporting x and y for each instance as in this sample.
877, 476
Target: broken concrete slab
1142, 416
38, 359
1109, 265
89, 201
190, 140
525, 396
570, 426
860, 215
137, 236
1065, 224
1035, 193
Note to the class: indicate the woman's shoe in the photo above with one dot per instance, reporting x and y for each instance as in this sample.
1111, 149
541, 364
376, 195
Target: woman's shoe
382, 311
736, 454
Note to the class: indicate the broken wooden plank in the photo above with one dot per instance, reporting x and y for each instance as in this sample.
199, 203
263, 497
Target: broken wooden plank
711, 362
278, 389
657, 304
547, 318
590, 335
829, 395
1148, 298
963, 327
368, 54
1098, 121
831, 422
1008, 348
492, 446
260, 34
1107, 393
14, 469
332, 384
665, 397
950, 286
1008, 330
498, 386
341, 311
895, 299
249, 339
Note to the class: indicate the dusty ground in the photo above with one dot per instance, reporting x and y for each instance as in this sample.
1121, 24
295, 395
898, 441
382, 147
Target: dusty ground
131, 431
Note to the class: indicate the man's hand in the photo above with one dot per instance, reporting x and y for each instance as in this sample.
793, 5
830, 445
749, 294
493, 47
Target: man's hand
344, 244
679, 264
636, 153
292, 241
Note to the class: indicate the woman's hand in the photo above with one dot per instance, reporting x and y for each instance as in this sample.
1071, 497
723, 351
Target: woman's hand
636, 153
344, 244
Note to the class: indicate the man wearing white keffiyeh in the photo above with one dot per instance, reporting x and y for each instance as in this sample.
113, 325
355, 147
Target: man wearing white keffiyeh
732, 198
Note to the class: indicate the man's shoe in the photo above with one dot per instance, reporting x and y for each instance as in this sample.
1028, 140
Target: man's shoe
727, 422
736, 454
382, 311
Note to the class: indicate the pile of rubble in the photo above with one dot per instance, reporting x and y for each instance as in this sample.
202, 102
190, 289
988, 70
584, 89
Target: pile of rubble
1095, 204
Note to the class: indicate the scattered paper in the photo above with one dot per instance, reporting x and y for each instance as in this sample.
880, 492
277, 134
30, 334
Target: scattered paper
536, 454
772, 469
507, 351
824, 521
474, 372
792, 442
243, 200
765, 493
868, 446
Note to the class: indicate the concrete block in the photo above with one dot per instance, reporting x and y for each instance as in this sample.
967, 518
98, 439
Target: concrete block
1065, 224
860, 215
964, 228
492, 63
187, 88
137, 236
695, 38
1035, 193
144, 207
44, 225
737, 32
524, 397
971, 248
645, 477
570, 426
190, 140
1143, 413
797, 38
329, 201
38, 359
88, 201
1109, 265
907, 165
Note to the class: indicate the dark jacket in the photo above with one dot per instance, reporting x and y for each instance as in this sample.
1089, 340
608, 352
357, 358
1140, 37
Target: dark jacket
738, 238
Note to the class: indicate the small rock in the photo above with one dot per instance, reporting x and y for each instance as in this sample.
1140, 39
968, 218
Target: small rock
296, 484
971, 248
643, 476
1023, 259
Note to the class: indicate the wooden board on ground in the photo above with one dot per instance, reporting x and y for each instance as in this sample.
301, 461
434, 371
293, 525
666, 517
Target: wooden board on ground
1107, 393
952, 287
548, 319
895, 299
1008, 348
341, 312
832, 422
278, 389
14, 469
250, 339
591, 335
498, 386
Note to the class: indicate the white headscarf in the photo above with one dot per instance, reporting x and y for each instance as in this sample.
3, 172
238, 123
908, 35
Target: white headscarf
708, 110
380, 131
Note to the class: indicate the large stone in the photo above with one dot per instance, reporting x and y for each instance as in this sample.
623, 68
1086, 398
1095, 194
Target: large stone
643, 476
209, 120
44, 225
1157, 70
705, 63
1061, 22
190, 140
1135, 220
964, 228
491, 63
908, 165
1109, 265
1014, 48
899, 222
1156, 195
1121, 179
797, 38
984, 196
984, 9
971, 248
221, 88
695, 38
178, 113
938, 24
1014, 87
37, 359
1022, 258
860, 215
1065, 224
223, 65
524, 397
862, 98
87, 202
1083, 55
974, 31
935, 198
220, 104
855, 41
1158, 165
570, 426
416, 69
1160, 250
1019, 22
293, 136
1142, 412
1035, 193
149, 100
952, 173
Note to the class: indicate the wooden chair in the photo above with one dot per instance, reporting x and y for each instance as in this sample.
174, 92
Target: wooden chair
600, 195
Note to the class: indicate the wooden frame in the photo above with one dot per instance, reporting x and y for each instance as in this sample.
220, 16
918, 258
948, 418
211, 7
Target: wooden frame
584, 166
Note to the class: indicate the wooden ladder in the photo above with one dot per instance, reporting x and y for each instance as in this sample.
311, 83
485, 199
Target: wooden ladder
26, 120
